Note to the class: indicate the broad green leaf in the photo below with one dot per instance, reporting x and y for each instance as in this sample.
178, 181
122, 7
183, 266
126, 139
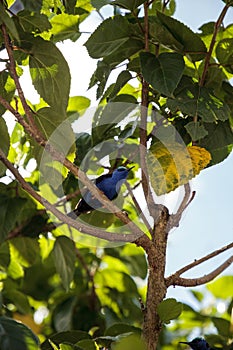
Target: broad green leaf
132, 342
128, 4
50, 73
224, 54
121, 328
15, 335
86, 344
64, 259
77, 106
223, 326
97, 4
196, 130
169, 309
219, 141
222, 287
163, 72
193, 100
192, 44
52, 122
70, 336
9, 23
32, 5
158, 5
19, 299
4, 255
27, 250
83, 145
4, 143
122, 79
108, 37
10, 211
64, 27
33, 22
174, 165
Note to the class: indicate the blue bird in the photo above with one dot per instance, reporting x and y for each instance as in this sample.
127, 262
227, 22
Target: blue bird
198, 344
110, 184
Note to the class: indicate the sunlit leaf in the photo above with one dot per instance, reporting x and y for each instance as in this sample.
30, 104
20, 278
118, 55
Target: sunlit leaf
174, 165
169, 309
64, 27
50, 73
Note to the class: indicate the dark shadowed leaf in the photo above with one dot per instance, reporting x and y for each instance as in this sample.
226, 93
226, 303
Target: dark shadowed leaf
4, 143
163, 72
191, 42
15, 335
128, 4
10, 211
71, 337
33, 22
64, 259
196, 130
108, 37
8, 21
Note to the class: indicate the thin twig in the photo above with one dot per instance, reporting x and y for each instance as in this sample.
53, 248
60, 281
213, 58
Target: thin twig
212, 43
171, 279
139, 210
193, 282
174, 219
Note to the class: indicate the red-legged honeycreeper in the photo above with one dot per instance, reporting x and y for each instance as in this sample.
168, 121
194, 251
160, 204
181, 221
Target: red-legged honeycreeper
198, 344
110, 184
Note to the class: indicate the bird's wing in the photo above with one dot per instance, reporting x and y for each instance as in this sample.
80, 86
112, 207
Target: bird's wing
102, 177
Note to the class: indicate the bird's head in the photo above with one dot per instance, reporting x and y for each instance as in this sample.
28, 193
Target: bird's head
121, 172
197, 344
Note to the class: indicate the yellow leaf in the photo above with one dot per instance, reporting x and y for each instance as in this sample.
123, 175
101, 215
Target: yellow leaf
174, 165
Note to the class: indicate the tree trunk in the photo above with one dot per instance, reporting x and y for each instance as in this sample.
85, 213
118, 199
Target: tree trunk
156, 288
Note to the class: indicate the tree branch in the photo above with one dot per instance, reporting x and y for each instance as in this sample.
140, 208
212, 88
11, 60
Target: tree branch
174, 219
171, 280
193, 282
93, 231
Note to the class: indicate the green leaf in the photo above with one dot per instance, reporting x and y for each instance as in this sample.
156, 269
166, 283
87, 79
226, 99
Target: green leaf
33, 22
121, 328
64, 27
9, 23
19, 299
64, 259
87, 344
15, 335
222, 287
97, 4
77, 106
7, 88
4, 143
219, 141
122, 79
128, 4
50, 73
83, 145
164, 72
4, 255
52, 122
223, 326
108, 37
32, 5
10, 211
70, 336
169, 309
224, 54
196, 130
132, 342
193, 100
192, 45
27, 248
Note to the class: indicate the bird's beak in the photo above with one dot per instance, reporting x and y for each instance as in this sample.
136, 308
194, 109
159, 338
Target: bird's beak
131, 168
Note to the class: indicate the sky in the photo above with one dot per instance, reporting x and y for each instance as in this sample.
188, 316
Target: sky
208, 222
